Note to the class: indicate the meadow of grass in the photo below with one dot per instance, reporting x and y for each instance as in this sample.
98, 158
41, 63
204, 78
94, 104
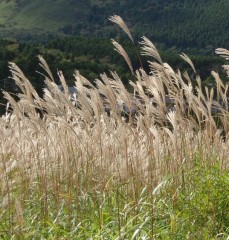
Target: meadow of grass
76, 172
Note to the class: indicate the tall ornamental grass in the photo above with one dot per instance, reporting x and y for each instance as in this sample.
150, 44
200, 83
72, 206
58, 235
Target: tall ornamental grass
72, 170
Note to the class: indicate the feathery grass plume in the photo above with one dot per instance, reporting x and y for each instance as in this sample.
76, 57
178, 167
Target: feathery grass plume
45, 67
14, 104
82, 79
186, 77
118, 85
17, 76
63, 83
22, 82
149, 49
222, 52
221, 88
29, 94
119, 21
105, 88
123, 53
84, 98
188, 60
218, 80
226, 68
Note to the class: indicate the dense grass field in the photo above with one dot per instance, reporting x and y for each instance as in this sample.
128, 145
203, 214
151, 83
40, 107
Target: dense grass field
86, 166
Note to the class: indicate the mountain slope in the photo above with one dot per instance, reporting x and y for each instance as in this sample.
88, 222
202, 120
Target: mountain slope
40, 14
199, 23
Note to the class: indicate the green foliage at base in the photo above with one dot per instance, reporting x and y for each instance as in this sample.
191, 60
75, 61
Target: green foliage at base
193, 205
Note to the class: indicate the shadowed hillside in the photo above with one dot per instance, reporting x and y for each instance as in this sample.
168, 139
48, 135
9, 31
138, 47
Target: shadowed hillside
180, 23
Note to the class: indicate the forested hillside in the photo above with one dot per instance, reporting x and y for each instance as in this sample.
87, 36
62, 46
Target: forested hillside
182, 23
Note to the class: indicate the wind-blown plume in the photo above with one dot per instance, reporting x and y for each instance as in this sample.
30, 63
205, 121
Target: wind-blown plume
45, 66
222, 52
188, 60
119, 21
149, 49
122, 52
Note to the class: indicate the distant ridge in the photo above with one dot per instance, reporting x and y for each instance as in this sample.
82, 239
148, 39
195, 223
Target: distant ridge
196, 23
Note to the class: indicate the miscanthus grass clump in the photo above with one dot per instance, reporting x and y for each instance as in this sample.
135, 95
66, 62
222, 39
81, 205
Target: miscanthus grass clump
107, 164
